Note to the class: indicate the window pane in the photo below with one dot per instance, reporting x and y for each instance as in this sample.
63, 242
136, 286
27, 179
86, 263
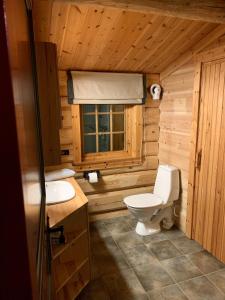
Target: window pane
89, 143
118, 108
104, 123
118, 122
103, 142
118, 142
87, 108
103, 108
89, 123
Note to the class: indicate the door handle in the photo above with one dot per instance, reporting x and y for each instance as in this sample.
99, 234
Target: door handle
199, 160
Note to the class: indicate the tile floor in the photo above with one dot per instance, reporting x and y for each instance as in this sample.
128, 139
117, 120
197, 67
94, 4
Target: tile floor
165, 266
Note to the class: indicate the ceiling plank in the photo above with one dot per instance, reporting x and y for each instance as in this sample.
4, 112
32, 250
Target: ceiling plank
188, 55
202, 10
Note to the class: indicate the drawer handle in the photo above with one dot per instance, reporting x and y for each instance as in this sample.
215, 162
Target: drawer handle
61, 239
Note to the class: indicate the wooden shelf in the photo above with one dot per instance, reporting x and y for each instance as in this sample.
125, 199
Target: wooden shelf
72, 274
71, 261
59, 249
78, 292
75, 284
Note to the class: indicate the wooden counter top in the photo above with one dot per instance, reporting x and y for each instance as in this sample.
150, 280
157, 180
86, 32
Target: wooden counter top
57, 212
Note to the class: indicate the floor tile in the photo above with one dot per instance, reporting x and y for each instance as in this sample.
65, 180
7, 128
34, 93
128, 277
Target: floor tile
171, 292
127, 240
218, 278
153, 276
124, 286
154, 238
127, 266
104, 263
201, 288
180, 268
186, 245
105, 244
139, 255
173, 233
118, 225
164, 249
206, 262
98, 231
133, 223
107, 258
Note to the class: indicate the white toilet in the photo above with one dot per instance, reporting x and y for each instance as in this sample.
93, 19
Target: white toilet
151, 209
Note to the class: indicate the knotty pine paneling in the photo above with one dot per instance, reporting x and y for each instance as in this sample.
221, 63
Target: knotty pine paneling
112, 39
175, 128
107, 195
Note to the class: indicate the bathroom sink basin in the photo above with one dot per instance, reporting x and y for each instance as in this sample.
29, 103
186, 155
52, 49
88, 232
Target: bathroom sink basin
59, 191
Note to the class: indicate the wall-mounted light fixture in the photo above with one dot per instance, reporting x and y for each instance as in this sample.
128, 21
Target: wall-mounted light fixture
156, 91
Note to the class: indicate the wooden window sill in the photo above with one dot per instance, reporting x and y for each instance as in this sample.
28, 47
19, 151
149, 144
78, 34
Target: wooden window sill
107, 164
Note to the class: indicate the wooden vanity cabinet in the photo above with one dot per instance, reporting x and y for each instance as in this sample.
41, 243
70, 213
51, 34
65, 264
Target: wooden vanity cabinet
49, 101
71, 261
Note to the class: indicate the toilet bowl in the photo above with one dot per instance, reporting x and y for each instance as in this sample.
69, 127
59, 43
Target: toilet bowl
150, 209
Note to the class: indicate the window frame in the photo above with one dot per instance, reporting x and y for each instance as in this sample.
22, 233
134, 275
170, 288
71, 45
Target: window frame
132, 155
110, 132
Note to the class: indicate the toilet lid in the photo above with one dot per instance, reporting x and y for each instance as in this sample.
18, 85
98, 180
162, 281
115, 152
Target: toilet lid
142, 200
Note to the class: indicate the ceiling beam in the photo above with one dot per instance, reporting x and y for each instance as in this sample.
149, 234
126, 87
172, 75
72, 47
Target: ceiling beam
188, 55
201, 10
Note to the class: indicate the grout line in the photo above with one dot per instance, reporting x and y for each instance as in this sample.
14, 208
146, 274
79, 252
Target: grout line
160, 262
171, 276
204, 275
132, 268
214, 283
182, 291
183, 251
128, 262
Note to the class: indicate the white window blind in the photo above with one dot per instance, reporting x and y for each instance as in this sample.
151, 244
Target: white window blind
105, 88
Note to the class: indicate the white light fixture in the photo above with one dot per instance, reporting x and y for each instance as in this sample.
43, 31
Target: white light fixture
155, 91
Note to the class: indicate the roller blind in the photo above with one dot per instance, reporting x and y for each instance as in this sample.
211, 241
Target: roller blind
105, 88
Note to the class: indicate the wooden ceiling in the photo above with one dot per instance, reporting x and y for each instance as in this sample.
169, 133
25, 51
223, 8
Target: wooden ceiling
112, 39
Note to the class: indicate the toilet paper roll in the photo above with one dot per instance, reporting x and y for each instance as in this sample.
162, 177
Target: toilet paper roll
92, 177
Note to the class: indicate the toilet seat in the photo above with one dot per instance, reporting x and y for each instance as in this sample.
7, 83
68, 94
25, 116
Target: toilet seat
143, 200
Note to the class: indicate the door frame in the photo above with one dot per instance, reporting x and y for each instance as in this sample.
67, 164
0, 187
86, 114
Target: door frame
203, 57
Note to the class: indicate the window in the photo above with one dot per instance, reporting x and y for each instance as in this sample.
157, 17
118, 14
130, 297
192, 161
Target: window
103, 128
106, 135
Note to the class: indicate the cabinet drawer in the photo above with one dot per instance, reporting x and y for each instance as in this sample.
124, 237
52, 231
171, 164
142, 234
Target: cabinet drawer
75, 285
73, 225
70, 261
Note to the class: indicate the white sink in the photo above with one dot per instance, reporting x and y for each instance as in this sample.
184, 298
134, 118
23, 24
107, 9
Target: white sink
59, 191
58, 174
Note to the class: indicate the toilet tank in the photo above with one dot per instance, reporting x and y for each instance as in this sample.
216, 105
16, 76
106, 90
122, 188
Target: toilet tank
167, 184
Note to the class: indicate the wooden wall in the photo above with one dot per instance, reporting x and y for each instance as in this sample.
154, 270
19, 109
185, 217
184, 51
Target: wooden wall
108, 193
123, 40
175, 128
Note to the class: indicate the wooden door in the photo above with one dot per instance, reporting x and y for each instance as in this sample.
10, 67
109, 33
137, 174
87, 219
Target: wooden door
22, 171
208, 215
